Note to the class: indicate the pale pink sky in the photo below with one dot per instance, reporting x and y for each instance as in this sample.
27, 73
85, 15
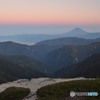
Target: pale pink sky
50, 12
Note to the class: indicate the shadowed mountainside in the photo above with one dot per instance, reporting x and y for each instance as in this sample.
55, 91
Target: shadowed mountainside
69, 55
23, 60
41, 49
10, 71
48, 56
90, 67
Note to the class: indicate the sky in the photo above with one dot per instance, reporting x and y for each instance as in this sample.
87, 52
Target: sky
51, 13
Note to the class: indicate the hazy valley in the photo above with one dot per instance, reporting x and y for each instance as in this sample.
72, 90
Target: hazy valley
58, 57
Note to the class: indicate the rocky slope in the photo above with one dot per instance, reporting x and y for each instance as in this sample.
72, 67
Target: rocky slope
34, 84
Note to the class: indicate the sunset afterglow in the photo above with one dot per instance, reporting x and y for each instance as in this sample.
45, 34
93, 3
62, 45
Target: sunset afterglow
50, 12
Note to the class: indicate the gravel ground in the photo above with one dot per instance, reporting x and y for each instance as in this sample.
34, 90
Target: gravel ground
34, 84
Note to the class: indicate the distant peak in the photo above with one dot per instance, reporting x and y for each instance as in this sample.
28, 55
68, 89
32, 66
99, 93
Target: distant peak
77, 29
77, 32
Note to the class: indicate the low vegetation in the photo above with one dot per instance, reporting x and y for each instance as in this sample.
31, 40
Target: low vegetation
14, 93
61, 91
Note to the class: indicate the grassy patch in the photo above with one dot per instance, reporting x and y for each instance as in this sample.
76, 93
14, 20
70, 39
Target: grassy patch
14, 93
61, 91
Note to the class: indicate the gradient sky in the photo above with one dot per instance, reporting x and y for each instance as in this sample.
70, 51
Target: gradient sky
50, 11
56, 12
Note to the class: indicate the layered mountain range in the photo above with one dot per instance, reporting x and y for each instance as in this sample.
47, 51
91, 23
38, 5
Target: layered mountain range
59, 57
34, 38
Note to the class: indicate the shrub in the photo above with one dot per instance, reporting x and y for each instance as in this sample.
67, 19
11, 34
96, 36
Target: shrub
61, 91
14, 93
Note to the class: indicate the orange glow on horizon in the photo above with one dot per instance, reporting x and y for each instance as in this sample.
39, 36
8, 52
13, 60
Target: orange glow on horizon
50, 12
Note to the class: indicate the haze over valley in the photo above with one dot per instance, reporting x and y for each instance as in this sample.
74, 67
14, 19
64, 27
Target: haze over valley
31, 39
48, 58
44, 42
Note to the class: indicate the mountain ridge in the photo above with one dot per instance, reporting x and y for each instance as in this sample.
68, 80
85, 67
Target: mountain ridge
34, 38
88, 68
10, 71
69, 55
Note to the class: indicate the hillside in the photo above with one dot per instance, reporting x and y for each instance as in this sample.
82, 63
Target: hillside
69, 55
18, 93
23, 60
47, 58
12, 48
68, 41
90, 67
10, 71
61, 91
41, 49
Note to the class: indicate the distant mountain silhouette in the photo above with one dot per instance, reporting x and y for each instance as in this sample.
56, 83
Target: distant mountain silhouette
34, 38
92, 36
77, 32
68, 41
